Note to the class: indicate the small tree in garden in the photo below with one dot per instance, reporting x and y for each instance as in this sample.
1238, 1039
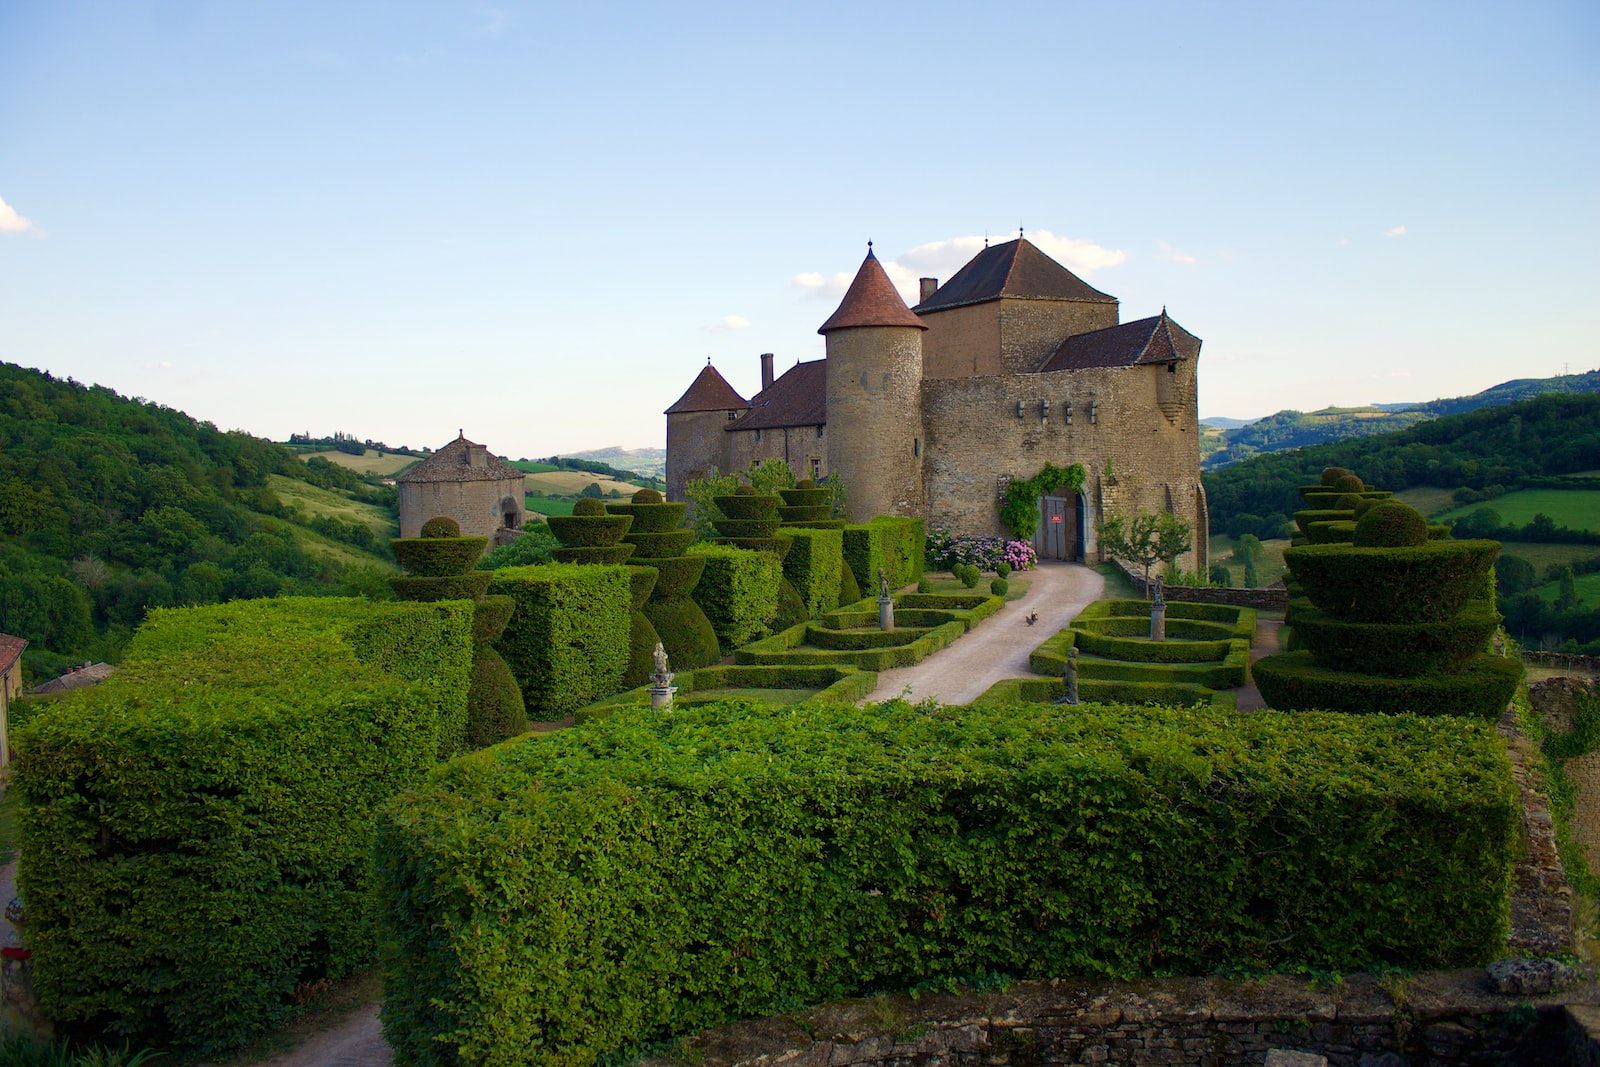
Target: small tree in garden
1146, 539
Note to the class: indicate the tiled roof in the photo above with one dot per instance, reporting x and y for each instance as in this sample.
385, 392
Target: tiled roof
871, 300
451, 464
1154, 340
75, 679
1016, 270
10, 649
710, 391
798, 398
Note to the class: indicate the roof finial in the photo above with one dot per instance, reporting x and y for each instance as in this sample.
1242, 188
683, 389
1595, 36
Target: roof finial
461, 434
1019, 231
869, 246
986, 238
708, 361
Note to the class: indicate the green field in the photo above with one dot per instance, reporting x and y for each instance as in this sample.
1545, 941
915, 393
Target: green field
539, 505
1427, 499
1576, 509
314, 501
528, 466
1544, 556
1588, 590
369, 462
1269, 565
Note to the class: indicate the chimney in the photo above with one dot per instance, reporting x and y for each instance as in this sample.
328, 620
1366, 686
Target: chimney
929, 287
477, 455
766, 370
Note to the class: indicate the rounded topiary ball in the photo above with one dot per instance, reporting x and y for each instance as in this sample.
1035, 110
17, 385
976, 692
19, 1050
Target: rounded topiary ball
1391, 525
1350, 483
1365, 505
588, 506
1348, 502
1002, 569
1331, 475
805, 483
998, 587
441, 526
745, 490
648, 496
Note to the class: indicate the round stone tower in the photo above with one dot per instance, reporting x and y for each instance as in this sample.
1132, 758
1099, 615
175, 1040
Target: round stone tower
874, 390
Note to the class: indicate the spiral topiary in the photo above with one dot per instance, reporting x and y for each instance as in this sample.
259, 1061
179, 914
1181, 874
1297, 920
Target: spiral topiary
1391, 524
441, 526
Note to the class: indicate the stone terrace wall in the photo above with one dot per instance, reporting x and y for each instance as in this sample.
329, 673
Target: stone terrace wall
1271, 598
1452, 1017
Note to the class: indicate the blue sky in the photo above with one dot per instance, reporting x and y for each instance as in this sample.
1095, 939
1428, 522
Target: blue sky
536, 222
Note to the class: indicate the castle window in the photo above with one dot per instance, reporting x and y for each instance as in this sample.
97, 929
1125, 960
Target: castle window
1172, 368
819, 429
916, 446
732, 415
816, 469
758, 437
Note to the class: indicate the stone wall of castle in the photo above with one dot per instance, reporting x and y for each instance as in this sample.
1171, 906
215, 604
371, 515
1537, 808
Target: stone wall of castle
1031, 330
801, 447
479, 507
975, 440
962, 342
875, 421
695, 443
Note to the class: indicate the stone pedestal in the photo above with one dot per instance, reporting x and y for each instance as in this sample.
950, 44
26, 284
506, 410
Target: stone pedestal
1158, 622
885, 613
661, 697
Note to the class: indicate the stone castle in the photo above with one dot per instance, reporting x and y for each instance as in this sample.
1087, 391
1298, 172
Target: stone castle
468, 483
932, 410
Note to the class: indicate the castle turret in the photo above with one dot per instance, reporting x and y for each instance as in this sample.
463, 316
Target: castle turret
874, 394
694, 428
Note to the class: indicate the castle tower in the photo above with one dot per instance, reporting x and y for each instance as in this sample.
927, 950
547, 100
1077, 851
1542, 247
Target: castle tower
694, 429
874, 397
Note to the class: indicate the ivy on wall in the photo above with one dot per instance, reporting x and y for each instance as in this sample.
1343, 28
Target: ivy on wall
1020, 508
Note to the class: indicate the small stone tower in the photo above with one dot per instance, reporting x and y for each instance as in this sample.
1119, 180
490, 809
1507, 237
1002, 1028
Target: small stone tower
874, 397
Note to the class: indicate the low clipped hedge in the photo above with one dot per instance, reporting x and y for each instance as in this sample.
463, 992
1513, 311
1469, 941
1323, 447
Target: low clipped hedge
738, 592
1227, 669
838, 683
567, 644
435, 557
651, 518
785, 647
822, 637
1429, 582
469, 586
1096, 691
1398, 650
589, 531
593, 554
812, 566
1177, 629
658, 545
562, 900
198, 827
1292, 681
936, 610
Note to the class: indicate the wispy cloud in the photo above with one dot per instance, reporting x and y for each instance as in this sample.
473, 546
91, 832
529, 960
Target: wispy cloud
11, 222
1172, 255
727, 324
941, 259
495, 21
1395, 231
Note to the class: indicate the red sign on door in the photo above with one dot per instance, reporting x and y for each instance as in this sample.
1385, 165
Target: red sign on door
1055, 518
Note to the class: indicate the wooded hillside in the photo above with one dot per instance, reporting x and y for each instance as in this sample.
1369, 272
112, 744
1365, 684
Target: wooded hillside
109, 506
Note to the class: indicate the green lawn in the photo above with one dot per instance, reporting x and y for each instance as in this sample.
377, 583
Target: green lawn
316, 501
1269, 565
1576, 509
545, 506
527, 466
1427, 499
942, 582
1543, 556
1588, 590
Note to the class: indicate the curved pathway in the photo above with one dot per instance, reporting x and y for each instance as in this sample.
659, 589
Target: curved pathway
999, 646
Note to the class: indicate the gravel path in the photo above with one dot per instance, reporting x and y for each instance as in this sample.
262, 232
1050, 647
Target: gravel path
999, 646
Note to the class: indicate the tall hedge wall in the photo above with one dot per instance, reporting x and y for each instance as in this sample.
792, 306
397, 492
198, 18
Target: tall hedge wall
738, 592
895, 544
197, 829
812, 567
567, 644
549, 902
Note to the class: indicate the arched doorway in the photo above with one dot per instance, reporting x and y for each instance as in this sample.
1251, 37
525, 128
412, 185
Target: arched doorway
1059, 534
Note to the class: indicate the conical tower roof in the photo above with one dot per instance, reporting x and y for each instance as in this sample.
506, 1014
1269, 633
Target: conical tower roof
709, 391
871, 300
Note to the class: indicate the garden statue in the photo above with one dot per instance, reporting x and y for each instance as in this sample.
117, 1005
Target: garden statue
662, 678
1158, 599
885, 602
1158, 614
1069, 675
883, 585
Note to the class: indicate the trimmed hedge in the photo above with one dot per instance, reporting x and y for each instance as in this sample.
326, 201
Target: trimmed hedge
1398, 650
603, 555
790, 516
745, 529
1482, 689
553, 902
738, 592
1325, 533
747, 507
785, 647
495, 708
567, 644
1304, 519
198, 827
642, 640
659, 545
685, 632
791, 609
469, 586
905, 543
812, 566
677, 576
1095, 691
849, 588
1429, 582
589, 531
490, 616
807, 498
862, 547
435, 557
838, 683
852, 640
652, 518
